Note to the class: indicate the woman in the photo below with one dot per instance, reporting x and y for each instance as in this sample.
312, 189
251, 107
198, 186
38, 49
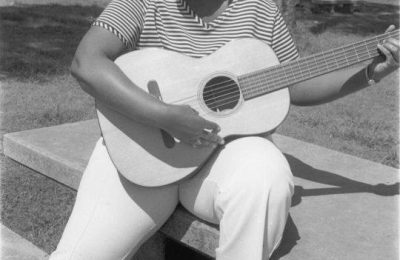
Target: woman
246, 187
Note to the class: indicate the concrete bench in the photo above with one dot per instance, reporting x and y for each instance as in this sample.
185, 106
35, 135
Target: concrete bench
13, 246
344, 207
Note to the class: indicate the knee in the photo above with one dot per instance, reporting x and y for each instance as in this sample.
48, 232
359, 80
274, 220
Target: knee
263, 168
273, 183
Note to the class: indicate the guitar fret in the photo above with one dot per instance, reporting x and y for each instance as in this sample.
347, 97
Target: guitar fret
328, 60
283, 75
291, 70
299, 68
355, 50
368, 50
296, 71
308, 68
325, 61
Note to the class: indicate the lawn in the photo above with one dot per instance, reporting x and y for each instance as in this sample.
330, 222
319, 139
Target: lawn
37, 44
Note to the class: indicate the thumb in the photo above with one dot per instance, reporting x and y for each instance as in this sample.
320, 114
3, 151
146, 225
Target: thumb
209, 125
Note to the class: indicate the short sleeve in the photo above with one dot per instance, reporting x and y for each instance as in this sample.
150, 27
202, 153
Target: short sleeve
282, 41
125, 19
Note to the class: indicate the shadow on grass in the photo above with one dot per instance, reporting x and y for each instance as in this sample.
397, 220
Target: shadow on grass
38, 41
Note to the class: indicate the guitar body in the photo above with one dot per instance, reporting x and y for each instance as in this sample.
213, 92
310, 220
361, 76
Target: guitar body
150, 157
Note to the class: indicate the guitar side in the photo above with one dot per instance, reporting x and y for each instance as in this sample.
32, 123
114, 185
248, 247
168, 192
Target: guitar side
140, 152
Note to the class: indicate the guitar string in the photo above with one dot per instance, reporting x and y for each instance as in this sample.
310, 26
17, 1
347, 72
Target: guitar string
324, 54
288, 74
236, 91
216, 88
226, 101
327, 66
339, 50
284, 81
280, 73
232, 99
219, 93
337, 61
287, 79
326, 60
280, 80
349, 60
222, 86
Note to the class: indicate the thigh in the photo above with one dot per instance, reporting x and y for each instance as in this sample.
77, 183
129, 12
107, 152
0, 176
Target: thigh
244, 165
112, 216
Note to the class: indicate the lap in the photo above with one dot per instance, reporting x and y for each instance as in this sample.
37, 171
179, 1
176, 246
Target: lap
109, 208
246, 162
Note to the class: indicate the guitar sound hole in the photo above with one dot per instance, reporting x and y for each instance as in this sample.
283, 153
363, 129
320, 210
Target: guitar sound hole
221, 93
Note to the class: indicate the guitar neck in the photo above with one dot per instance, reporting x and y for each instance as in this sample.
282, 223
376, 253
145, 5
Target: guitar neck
286, 74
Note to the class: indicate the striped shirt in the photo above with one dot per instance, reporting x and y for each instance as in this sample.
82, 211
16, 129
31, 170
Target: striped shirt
172, 25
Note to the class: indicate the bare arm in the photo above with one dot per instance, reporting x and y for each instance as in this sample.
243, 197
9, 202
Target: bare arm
341, 83
93, 66
329, 87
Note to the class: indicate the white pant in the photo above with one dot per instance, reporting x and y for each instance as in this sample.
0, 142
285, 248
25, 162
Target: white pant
246, 189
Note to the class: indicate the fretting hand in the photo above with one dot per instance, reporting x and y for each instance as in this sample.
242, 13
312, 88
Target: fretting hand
388, 61
185, 124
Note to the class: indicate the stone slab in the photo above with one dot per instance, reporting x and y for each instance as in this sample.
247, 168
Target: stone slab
60, 152
14, 247
344, 207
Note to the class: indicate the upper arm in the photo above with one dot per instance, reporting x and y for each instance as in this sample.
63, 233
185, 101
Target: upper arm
98, 41
282, 41
116, 30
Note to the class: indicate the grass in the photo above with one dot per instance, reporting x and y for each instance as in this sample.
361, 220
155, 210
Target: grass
37, 45
41, 40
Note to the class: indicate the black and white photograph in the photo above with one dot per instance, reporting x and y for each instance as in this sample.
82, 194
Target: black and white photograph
199, 129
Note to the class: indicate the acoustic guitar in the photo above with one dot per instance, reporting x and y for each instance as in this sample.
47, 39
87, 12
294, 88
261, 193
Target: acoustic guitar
242, 87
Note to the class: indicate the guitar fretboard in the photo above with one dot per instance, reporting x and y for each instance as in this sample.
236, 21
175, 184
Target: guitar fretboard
283, 75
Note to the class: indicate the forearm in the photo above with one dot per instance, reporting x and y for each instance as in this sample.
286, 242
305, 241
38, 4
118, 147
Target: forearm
338, 84
329, 87
101, 78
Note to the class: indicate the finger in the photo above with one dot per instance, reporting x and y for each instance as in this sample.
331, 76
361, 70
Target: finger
388, 55
200, 143
385, 49
205, 143
210, 137
393, 41
390, 28
394, 50
196, 143
213, 127
217, 130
